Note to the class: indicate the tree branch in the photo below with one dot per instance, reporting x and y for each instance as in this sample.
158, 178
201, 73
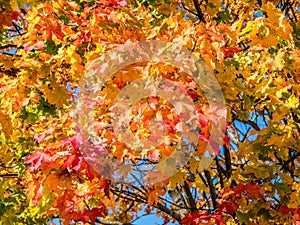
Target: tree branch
199, 11
9, 175
189, 196
220, 172
211, 188
106, 222
136, 197
8, 46
227, 161
190, 11
168, 211
17, 28
249, 122
178, 200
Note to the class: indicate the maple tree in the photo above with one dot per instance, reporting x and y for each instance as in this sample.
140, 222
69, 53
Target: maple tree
252, 48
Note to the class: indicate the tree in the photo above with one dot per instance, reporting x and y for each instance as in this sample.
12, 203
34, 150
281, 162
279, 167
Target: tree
252, 47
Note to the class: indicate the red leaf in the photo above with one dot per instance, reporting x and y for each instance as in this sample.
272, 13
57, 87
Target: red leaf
37, 159
92, 214
15, 15
154, 154
285, 210
227, 141
105, 187
191, 218
203, 120
231, 207
251, 189
229, 52
73, 161
89, 172
195, 218
74, 142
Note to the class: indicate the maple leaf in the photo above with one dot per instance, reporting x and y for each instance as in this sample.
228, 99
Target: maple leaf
68, 216
191, 218
37, 159
253, 190
73, 161
285, 210
231, 207
90, 173
92, 214
201, 147
6, 124
31, 45
7, 17
177, 178
154, 154
55, 94
105, 185
229, 52
73, 5
41, 136
153, 194
196, 218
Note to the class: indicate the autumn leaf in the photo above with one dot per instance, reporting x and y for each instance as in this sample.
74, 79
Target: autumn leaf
179, 178
37, 159
55, 94
154, 193
6, 124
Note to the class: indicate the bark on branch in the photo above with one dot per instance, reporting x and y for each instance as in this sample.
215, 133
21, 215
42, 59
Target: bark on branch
199, 11
9, 175
178, 200
106, 222
211, 189
189, 196
8, 46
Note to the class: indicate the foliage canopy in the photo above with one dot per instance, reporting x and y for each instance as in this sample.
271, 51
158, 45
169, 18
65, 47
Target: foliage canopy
251, 46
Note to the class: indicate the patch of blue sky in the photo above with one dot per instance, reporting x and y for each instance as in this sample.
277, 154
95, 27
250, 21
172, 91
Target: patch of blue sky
73, 90
258, 14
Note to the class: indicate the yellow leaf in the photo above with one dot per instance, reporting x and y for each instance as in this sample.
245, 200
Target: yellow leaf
177, 178
293, 102
6, 125
194, 164
200, 185
55, 94
280, 113
266, 42
6, 61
